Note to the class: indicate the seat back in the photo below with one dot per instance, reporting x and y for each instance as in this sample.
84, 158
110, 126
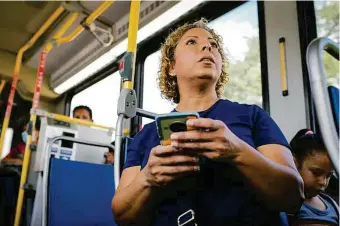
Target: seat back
80, 193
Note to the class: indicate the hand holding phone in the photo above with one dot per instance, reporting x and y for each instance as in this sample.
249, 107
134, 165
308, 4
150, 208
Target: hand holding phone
171, 123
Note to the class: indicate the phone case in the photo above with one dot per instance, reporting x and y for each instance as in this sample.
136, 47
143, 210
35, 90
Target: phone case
166, 124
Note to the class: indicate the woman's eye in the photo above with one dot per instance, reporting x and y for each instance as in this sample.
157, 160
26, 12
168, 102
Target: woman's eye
213, 44
191, 42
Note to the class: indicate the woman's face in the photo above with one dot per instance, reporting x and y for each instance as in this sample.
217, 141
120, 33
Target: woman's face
316, 170
197, 59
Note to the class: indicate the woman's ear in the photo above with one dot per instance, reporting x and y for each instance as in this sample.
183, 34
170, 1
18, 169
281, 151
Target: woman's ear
172, 71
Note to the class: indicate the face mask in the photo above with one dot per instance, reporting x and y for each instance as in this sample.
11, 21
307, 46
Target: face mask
24, 136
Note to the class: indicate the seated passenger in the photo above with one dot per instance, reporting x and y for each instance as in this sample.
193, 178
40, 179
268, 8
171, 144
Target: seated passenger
83, 112
16, 154
316, 169
109, 156
234, 169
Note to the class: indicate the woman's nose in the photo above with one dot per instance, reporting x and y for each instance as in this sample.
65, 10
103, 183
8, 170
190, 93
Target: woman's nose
206, 46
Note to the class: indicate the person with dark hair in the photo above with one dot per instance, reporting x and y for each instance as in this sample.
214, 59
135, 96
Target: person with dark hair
315, 168
109, 156
15, 156
83, 112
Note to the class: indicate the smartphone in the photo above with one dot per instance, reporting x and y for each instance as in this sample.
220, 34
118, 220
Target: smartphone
171, 123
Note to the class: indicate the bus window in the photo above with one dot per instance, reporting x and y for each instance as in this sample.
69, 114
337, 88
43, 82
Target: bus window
102, 98
240, 32
327, 25
152, 99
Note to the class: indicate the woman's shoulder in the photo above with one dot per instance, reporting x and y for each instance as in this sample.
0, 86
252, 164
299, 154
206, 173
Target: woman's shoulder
252, 110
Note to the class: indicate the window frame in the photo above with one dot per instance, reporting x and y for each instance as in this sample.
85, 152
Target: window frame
307, 33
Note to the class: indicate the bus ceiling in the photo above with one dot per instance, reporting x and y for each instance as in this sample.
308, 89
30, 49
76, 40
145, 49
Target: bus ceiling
64, 60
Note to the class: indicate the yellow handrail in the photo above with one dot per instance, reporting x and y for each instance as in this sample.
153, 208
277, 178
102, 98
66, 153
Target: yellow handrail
89, 20
2, 85
17, 68
75, 120
132, 39
35, 105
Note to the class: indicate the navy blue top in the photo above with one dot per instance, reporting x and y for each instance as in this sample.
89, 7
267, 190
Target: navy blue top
220, 195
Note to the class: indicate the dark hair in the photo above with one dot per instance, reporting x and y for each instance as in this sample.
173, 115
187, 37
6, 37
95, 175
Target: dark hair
303, 145
18, 128
83, 107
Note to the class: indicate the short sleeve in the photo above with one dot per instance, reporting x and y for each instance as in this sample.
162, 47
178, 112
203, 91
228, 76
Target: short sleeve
265, 130
135, 150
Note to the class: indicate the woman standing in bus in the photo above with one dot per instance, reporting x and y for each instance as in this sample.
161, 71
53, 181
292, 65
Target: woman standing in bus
247, 173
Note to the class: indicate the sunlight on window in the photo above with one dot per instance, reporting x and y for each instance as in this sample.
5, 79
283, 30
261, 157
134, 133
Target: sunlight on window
152, 99
239, 29
102, 98
327, 24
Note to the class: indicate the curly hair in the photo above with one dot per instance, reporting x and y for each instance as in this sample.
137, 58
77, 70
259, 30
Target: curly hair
167, 83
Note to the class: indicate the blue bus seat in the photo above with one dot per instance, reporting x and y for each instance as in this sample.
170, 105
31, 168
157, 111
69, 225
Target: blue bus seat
334, 99
80, 193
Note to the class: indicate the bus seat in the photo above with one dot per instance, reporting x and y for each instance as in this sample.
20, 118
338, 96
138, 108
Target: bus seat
80, 193
334, 100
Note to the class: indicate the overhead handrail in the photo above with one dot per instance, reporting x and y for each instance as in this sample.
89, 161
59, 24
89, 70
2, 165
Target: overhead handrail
88, 21
46, 166
17, 68
318, 83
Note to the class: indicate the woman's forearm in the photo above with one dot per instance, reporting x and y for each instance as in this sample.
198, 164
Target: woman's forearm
280, 186
135, 203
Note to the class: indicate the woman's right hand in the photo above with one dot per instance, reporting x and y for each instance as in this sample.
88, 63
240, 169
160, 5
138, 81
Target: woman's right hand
167, 164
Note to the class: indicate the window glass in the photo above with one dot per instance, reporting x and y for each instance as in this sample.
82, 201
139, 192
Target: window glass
102, 98
327, 25
240, 32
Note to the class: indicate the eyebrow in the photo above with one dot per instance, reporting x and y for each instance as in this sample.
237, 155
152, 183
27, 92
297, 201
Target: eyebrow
209, 38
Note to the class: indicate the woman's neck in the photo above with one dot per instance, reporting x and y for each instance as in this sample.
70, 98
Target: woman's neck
197, 101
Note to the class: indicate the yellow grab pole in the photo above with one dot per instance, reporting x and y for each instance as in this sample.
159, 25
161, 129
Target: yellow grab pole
132, 40
2, 85
89, 20
75, 120
283, 64
17, 68
35, 105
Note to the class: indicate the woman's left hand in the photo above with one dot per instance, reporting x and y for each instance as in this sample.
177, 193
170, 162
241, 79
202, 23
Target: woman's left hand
210, 138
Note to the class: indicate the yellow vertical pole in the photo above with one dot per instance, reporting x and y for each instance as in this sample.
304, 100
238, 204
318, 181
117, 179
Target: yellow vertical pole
17, 68
35, 105
132, 39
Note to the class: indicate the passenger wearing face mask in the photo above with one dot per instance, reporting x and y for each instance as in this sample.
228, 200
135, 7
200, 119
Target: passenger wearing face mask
16, 155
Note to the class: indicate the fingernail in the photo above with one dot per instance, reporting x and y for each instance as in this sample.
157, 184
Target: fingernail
195, 159
190, 123
174, 136
174, 144
197, 168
